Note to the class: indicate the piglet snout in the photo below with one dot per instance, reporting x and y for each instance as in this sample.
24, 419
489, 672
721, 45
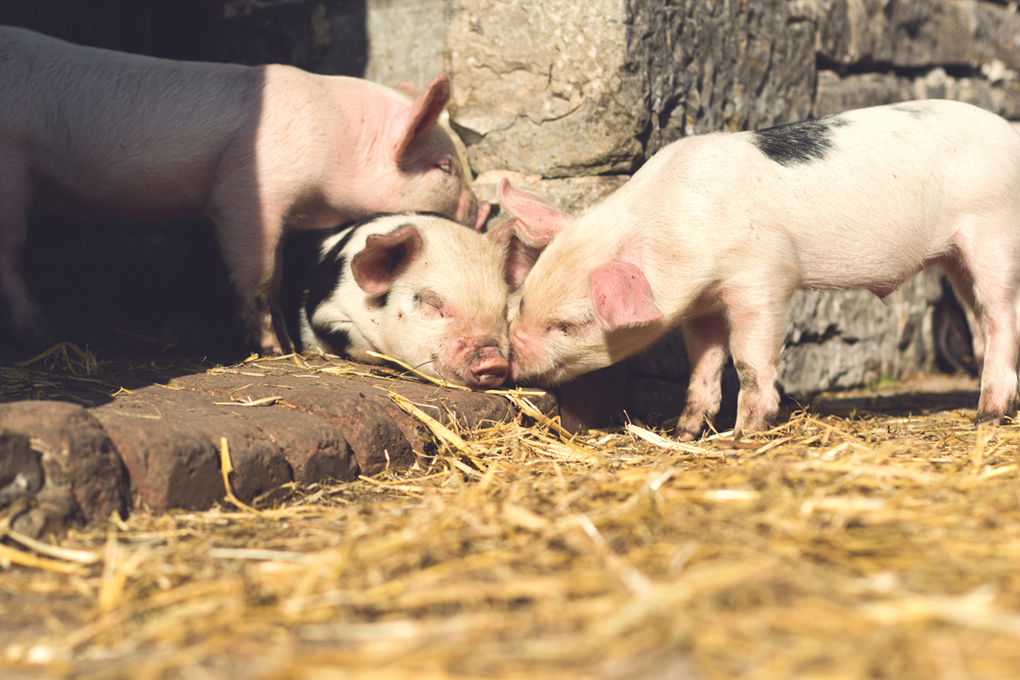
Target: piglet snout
487, 370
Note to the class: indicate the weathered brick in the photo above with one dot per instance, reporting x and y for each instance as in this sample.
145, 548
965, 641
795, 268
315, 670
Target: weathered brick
84, 477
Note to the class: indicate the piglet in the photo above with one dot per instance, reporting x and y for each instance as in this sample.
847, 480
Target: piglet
418, 288
258, 149
715, 232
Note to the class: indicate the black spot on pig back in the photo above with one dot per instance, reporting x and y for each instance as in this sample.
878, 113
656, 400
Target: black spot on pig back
794, 143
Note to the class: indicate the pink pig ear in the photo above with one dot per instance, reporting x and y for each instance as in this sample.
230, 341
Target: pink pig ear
424, 113
520, 252
622, 296
539, 220
384, 258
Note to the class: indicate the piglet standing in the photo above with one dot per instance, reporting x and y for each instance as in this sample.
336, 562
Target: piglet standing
418, 288
715, 233
261, 149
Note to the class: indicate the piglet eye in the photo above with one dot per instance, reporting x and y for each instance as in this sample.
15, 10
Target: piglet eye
447, 166
572, 327
430, 302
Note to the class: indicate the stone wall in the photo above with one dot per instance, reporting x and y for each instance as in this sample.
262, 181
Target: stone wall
635, 75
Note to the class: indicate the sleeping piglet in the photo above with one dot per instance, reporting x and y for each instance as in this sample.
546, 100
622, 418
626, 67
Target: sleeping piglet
418, 288
261, 149
715, 232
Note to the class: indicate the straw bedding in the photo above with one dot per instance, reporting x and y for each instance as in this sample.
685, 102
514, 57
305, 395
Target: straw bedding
838, 545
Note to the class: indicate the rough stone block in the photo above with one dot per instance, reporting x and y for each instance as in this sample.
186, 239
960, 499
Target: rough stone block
170, 440
835, 94
548, 89
407, 41
21, 472
376, 441
315, 449
380, 434
540, 87
377, 432
84, 477
171, 465
911, 34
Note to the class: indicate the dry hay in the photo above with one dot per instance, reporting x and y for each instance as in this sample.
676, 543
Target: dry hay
831, 547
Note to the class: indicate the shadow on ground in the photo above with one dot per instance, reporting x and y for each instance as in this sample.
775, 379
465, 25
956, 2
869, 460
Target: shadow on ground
916, 397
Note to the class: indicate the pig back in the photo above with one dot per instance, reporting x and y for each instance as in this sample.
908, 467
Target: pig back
866, 198
127, 131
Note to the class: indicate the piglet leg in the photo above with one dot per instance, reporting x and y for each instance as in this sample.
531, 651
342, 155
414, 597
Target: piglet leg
758, 318
706, 339
249, 239
986, 278
22, 312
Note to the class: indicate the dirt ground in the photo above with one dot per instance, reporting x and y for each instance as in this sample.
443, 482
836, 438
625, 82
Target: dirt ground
874, 534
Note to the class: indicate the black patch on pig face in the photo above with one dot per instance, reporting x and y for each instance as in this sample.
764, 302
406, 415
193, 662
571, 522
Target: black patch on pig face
337, 339
324, 277
802, 142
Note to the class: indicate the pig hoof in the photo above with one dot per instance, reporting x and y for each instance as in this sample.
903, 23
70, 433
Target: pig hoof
992, 418
688, 433
272, 351
689, 429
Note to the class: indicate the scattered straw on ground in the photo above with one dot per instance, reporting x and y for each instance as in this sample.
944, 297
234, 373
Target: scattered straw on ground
856, 547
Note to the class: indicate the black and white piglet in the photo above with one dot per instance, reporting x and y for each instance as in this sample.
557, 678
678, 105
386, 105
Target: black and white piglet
417, 287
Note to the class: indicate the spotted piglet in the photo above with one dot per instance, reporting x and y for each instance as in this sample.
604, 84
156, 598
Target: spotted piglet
715, 233
416, 287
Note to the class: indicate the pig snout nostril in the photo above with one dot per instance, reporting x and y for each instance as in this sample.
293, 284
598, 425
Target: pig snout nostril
490, 371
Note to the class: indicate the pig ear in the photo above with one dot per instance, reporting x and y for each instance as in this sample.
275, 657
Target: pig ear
384, 258
622, 296
424, 113
539, 220
520, 252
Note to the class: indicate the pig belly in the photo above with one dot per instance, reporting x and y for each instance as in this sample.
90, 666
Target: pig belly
841, 255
